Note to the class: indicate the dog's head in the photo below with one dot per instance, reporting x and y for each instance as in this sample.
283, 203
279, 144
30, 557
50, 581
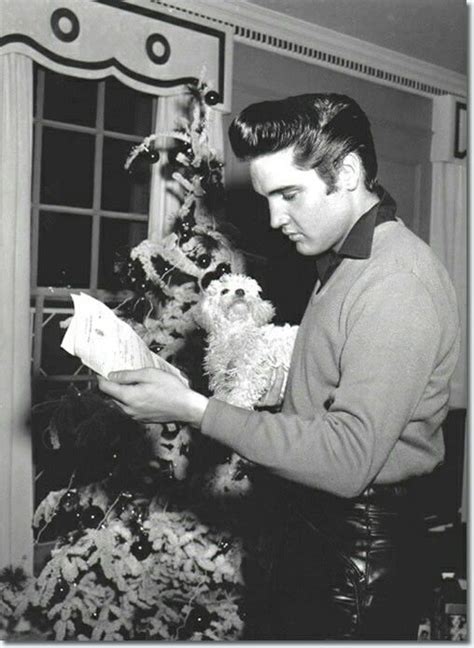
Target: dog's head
232, 299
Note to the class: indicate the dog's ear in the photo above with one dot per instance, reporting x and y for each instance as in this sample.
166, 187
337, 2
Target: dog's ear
263, 312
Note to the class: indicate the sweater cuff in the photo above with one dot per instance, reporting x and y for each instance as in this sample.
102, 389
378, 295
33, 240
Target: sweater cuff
221, 420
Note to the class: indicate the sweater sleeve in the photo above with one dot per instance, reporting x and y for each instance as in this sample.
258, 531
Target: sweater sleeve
391, 344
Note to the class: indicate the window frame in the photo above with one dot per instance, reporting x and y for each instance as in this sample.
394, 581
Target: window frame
42, 296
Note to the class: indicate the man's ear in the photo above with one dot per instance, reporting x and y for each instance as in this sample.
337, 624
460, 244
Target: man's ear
350, 173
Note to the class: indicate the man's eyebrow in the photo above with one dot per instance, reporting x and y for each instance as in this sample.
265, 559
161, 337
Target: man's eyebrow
282, 189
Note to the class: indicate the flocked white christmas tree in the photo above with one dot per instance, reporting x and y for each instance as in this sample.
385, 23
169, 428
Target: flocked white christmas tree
137, 553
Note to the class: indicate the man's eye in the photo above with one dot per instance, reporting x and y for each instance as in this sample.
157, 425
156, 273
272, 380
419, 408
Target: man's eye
289, 196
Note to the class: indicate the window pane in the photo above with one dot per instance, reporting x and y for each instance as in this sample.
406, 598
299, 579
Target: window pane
68, 99
64, 250
122, 191
116, 236
54, 360
67, 168
126, 110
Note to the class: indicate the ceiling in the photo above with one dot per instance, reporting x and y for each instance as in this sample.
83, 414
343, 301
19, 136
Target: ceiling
430, 30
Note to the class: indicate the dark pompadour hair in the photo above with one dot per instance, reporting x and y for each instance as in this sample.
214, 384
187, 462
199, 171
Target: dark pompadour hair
322, 128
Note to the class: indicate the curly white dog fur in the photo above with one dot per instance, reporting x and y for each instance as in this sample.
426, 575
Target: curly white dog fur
243, 350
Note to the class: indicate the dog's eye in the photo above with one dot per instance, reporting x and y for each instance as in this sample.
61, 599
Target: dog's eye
224, 291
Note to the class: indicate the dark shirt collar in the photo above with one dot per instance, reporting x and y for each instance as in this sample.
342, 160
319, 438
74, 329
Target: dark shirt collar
358, 243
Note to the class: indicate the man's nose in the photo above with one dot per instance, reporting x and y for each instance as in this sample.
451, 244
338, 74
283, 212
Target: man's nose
240, 292
277, 217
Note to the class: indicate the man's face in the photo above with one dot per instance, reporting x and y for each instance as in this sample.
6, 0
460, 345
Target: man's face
299, 203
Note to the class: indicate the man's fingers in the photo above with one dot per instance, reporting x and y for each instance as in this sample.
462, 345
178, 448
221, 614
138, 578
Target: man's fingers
126, 377
131, 377
108, 387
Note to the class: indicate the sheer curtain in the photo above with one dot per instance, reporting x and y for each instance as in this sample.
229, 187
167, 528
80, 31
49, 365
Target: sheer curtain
448, 238
16, 467
448, 231
164, 202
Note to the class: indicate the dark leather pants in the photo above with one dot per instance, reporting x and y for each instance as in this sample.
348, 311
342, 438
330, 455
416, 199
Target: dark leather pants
349, 568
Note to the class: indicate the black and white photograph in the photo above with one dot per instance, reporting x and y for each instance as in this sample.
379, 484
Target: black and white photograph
234, 347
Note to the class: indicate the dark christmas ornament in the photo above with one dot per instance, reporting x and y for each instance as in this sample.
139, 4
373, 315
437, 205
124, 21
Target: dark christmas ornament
67, 521
153, 156
141, 548
170, 431
156, 347
206, 280
204, 261
69, 501
184, 237
224, 545
212, 98
91, 516
61, 590
198, 619
222, 269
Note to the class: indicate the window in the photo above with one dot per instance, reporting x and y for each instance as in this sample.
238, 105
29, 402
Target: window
86, 208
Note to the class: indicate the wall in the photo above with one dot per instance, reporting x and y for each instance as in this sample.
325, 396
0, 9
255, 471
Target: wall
401, 125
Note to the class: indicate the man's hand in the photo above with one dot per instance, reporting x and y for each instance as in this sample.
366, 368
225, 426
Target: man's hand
154, 396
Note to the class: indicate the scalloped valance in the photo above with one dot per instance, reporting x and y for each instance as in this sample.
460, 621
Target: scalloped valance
150, 50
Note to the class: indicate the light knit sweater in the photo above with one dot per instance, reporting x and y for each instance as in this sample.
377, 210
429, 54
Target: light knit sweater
368, 387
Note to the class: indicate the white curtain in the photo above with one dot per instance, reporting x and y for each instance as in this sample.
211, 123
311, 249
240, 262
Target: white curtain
16, 467
164, 202
448, 238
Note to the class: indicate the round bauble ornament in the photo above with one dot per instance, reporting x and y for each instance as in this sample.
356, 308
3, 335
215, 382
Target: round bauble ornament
198, 619
185, 236
92, 516
204, 261
222, 269
170, 431
141, 548
153, 156
212, 98
224, 545
69, 501
206, 280
67, 520
61, 590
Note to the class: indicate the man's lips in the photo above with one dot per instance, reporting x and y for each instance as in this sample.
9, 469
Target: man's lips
293, 236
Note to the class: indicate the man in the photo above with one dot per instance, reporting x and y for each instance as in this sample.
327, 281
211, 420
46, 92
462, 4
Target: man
368, 385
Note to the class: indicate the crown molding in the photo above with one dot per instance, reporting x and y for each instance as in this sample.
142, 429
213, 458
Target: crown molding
269, 30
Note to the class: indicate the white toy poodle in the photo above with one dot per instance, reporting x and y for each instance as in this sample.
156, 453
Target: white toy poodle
243, 351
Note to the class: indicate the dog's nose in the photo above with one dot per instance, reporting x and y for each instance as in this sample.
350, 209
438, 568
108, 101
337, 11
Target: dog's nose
240, 292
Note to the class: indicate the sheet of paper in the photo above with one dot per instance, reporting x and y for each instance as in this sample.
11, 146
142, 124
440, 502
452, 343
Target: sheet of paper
106, 343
